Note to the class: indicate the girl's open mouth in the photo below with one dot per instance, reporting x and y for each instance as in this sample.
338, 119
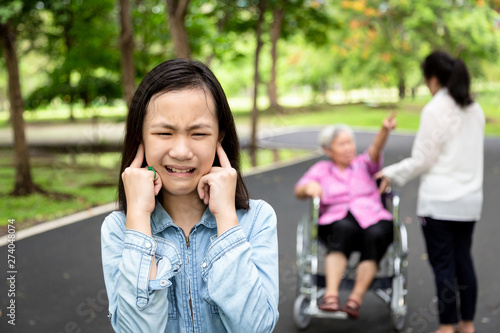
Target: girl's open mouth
174, 170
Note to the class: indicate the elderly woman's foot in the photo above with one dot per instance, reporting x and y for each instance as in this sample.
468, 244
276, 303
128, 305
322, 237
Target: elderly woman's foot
329, 303
352, 307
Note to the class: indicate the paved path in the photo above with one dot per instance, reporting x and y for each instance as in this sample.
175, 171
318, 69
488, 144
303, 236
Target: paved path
60, 286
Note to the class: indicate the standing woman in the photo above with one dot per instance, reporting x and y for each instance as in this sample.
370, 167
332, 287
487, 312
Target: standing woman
188, 251
448, 154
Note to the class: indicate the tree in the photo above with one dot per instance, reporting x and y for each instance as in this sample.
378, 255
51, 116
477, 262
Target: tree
12, 13
255, 109
292, 18
127, 51
383, 41
278, 14
83, 50
176, 11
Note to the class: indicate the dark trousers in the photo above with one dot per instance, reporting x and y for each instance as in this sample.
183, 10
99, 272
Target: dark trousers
347, 236
449, 248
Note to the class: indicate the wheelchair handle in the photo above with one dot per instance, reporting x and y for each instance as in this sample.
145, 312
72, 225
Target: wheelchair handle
315, 208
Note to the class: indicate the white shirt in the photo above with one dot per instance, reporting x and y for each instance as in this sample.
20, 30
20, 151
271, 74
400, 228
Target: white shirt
448, 154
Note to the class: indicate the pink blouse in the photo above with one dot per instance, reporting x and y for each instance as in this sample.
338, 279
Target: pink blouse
353, 189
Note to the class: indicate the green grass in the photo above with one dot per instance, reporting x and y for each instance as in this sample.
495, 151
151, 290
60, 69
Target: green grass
72, 187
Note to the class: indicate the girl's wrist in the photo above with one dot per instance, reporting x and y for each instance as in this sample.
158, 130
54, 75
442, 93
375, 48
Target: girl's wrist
226, 222
139, 221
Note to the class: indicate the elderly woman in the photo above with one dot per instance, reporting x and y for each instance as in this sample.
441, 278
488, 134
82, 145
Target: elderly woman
352, 217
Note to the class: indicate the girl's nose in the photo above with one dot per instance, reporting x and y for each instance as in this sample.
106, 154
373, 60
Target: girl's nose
180, 149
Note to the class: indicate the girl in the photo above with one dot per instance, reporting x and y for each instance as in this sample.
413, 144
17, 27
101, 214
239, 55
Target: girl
188, 251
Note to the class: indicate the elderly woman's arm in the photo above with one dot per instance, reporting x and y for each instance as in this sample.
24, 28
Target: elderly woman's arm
378, 144
309, 190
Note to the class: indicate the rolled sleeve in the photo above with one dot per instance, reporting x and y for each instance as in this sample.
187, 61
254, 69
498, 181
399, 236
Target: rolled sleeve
315, 173
371, 166
136, 303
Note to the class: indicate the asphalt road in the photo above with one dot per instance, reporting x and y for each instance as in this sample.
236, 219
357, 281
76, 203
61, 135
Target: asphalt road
60, 288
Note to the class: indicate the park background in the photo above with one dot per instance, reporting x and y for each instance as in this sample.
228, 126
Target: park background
68, 68
74, 64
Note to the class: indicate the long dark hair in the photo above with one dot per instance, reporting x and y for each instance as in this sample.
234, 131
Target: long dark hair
174, 75
451, 73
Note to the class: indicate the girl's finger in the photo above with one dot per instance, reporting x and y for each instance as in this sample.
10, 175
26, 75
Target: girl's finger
201, 188
224, 161
206, 198
139, 157
157, 184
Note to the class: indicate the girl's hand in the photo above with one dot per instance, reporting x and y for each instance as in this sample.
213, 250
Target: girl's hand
140, 186
390, 122
313, 190
217, 189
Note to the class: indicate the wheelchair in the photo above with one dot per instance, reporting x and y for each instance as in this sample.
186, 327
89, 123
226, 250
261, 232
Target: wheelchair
390, 284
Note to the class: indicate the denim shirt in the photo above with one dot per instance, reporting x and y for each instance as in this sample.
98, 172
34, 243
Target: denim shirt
209, 283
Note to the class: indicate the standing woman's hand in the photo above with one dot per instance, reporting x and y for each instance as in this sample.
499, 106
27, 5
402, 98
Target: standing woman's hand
141, 187
217, 189
384, 182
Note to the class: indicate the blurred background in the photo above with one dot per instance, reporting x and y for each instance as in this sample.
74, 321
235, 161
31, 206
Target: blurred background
68, 69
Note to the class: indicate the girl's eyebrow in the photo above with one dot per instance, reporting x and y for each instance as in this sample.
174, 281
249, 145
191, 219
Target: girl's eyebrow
189, 128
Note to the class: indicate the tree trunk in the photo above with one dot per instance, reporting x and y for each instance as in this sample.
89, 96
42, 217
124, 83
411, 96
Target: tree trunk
256, 79
275, 35
127, 51
401, 86
176, 11
23, 183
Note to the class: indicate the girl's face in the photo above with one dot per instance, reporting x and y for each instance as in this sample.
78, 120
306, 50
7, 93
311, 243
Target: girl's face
342, 150
180, 134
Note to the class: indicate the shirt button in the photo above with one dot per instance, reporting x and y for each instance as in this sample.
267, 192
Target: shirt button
163, 283
204, 265
148, 245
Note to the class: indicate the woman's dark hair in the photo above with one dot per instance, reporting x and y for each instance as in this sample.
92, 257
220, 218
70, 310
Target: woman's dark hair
451, 73
174, 75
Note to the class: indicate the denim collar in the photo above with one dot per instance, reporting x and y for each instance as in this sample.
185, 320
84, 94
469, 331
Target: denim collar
160, 220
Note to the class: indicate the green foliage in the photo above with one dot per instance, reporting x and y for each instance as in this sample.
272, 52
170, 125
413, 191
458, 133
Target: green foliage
383, 42
324, 45
89, 90
80, 40
9, 10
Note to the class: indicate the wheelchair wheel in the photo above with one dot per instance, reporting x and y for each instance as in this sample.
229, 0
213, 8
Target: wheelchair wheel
303, 254
399, 283
300, 316
398, 302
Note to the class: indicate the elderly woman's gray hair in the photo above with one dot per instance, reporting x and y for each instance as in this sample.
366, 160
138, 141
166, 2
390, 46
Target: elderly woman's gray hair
330, 133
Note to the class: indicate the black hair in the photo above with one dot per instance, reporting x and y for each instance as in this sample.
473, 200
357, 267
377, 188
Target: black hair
175, 75
451, 73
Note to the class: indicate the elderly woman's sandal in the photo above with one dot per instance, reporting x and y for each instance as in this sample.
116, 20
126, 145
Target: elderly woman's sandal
329, 303
352, 308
